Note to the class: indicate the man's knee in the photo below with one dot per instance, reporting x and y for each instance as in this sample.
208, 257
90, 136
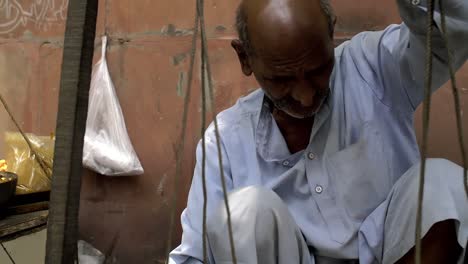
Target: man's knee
255, 197
252, 214
263, 230
444, 199
443, 185
438, 173
248, 202
441, 169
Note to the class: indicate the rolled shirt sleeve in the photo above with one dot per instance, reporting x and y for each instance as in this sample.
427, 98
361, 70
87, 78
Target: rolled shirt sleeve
392, 61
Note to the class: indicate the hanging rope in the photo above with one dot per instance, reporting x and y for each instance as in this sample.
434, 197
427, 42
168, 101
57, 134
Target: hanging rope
180, 147
426, 116
203, 124
206, 63
199, 20
205, 198
456, 96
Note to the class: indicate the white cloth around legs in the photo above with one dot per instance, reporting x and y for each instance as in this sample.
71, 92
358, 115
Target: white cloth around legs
265, 232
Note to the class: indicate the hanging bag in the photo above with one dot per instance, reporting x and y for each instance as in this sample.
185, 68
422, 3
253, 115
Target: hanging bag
107, 147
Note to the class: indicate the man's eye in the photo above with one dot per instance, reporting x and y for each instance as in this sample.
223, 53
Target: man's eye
321, 69
281, 79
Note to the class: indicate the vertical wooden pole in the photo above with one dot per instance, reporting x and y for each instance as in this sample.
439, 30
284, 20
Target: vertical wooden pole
78, 51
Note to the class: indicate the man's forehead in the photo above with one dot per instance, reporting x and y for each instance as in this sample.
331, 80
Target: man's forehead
309, 62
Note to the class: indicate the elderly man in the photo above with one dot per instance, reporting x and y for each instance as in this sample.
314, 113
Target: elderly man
321, 163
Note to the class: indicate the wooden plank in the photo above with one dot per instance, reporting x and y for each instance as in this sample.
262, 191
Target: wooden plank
78, 51
18, 223
25, 232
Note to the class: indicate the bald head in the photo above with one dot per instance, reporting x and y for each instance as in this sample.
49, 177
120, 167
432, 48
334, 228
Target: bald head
281, 12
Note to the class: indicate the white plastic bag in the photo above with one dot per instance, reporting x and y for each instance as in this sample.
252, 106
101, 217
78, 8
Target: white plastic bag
107, 147
87, 254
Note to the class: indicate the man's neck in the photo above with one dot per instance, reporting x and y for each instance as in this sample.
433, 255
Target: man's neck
296, 132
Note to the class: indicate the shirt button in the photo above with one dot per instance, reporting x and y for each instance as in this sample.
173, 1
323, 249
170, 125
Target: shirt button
415, 2
318, 189
311, 156
286, 163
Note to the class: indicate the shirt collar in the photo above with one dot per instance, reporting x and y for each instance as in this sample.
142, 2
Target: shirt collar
270, 143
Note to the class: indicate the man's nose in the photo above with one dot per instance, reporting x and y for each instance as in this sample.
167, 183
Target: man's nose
304, 93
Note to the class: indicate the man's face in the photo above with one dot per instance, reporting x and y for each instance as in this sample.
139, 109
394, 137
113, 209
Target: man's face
297, 82
292, 56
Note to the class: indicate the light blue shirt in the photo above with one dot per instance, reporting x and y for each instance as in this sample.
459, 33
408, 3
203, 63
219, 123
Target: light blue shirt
362, 140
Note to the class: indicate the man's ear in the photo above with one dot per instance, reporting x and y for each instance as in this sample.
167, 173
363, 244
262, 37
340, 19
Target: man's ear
243, 57
332, 32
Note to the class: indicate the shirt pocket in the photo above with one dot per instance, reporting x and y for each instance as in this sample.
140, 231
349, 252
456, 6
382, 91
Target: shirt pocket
360, 176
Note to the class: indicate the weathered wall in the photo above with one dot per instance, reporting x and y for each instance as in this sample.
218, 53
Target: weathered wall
148, 60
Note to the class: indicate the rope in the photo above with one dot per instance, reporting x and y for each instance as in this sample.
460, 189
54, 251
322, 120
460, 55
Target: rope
205, 61
456, 97
203, 124
426, 116
180, 147
28, 142
106, 12
199, 19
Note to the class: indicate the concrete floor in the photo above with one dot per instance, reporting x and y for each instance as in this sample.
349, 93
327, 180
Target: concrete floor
29, 249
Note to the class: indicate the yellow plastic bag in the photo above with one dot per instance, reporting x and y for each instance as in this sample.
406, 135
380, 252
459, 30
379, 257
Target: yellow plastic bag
20, 160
